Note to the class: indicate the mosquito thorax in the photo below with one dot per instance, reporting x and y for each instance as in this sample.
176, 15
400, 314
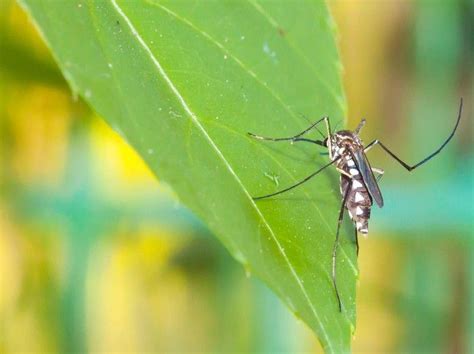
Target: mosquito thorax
342, 142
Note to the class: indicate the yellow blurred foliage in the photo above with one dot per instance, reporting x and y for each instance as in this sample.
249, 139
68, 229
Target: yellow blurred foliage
377, 287
148, 302
31, 266
11, 269
367, 31
21, 30
40, 120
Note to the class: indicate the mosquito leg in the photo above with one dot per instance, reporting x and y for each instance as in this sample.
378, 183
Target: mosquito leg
317, 142
341, 171
295, 137
336, 243
356, 241
379, 171
371, 145
292, 140
297, 184
426, 159
319, 131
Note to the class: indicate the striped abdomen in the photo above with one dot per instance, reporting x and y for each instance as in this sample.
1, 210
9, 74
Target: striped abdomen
359, 201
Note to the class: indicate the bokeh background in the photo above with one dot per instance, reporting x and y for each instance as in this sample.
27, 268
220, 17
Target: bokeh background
97, 256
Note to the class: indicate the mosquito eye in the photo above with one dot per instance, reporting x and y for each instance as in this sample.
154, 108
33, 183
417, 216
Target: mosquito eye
325, 142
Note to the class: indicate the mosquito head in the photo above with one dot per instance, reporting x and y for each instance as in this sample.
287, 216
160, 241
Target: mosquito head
360, 126
345, 137
343, 141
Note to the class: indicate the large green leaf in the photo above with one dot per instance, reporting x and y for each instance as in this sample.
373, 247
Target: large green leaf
182, 82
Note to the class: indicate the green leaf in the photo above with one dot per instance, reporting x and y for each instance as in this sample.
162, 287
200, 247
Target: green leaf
183, 82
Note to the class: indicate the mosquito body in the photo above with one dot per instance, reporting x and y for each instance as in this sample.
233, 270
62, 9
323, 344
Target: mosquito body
358, 185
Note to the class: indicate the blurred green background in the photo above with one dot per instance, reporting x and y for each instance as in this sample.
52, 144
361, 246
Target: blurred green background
96, 255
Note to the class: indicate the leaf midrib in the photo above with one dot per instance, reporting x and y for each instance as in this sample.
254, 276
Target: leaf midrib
226, 163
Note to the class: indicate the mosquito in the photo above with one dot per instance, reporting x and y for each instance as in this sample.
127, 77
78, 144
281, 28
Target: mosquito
358, 185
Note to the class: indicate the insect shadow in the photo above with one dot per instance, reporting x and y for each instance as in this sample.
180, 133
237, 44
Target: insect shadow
358, 185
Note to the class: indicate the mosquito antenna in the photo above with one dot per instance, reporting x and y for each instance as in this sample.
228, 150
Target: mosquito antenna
320, 133
297, 184
337, 124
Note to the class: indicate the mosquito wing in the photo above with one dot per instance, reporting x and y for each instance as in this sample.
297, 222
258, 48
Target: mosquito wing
368, 176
